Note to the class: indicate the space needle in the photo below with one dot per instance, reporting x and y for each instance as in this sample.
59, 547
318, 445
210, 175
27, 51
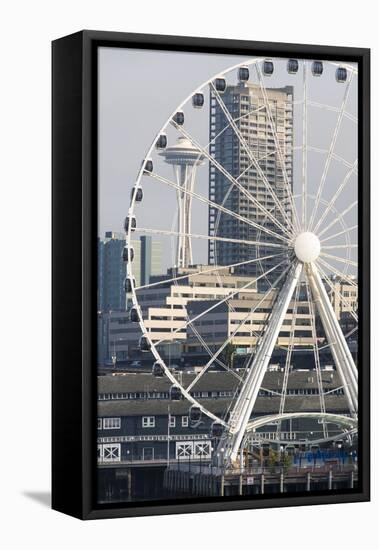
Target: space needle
185, 158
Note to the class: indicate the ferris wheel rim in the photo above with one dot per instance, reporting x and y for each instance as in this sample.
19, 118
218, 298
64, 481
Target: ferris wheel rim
156, 354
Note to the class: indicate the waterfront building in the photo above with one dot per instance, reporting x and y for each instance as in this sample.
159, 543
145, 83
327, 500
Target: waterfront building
136, 417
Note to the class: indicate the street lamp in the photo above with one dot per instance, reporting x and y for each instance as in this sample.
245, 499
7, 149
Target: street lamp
339, 446
222, 450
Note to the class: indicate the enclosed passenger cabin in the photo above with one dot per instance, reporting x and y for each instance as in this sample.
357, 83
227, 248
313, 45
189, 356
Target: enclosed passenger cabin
144, 344
198, 100
175, 393
292, 66
125, 254
130, 220
161, 142
268, 67
148, 166
317, 68
194, 413
243, 74
217, 429
136, 193
220, 85
178, 118
128, 284
157, 369
341, 74
133, 315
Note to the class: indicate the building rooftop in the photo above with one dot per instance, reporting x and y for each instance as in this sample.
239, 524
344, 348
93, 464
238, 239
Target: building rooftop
213, 381
264, 405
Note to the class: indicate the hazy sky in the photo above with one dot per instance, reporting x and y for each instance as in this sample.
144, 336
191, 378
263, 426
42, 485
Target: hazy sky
139, 89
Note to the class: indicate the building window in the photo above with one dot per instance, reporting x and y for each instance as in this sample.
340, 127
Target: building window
184, 421
111, 423
111, 453
172, 421
148, 422
99, 423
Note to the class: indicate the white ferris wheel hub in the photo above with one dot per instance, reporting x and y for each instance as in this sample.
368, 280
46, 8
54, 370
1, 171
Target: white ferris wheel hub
307, 247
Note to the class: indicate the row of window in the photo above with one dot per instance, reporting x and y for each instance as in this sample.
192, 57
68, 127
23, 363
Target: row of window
147, 422
159, 395
202, 394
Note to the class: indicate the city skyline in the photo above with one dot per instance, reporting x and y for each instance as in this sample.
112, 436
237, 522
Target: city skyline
119, 175
251, 281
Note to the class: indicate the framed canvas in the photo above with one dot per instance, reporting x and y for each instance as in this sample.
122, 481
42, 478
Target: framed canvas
210, 248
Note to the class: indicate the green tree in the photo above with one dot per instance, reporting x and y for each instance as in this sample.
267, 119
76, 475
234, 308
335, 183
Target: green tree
228, 354
273, 460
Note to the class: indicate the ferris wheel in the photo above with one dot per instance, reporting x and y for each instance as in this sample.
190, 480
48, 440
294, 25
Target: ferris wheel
266, 152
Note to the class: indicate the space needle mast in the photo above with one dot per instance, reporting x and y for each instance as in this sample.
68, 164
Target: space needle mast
184, 158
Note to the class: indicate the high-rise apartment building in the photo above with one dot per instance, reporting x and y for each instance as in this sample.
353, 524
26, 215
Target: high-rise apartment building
112, 270
247, 106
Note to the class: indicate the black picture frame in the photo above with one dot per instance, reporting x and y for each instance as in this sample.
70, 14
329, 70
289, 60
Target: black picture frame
74, 205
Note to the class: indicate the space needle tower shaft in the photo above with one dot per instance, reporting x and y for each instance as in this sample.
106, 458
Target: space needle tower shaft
185, 158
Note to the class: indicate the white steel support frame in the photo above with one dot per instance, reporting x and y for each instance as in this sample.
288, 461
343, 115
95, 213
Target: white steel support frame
240, 416
341, 354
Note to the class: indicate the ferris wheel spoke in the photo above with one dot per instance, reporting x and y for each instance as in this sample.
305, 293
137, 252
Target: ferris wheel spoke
339, 259
343, 232
278, 148
304, 150
332, 246
204, 271
341, 297
262, 244
210, 353
347, 115
218, 206
336, 195
231, 179
331, 150
225, 299
348, 334
338, 218
334, 156
241, 325
253, 159
336, 271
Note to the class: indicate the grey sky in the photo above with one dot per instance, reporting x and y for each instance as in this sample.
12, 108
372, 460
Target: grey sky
138, 90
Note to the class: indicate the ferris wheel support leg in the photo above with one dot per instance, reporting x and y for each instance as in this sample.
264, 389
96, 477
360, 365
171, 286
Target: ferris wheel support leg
241, 413
341, 354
